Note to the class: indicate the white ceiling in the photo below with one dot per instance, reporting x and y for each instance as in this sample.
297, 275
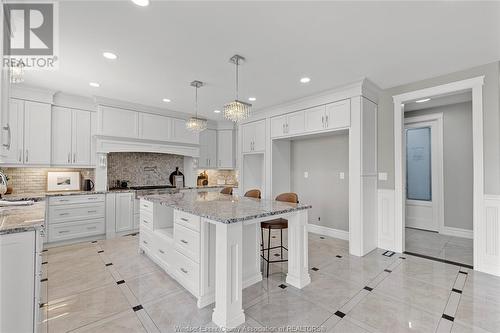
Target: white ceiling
164, 46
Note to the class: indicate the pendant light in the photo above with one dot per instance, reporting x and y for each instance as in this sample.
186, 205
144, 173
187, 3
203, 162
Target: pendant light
237, 110
196, 124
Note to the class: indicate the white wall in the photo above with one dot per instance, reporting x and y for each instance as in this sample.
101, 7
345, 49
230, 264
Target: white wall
323, 158
491, 99
457, 160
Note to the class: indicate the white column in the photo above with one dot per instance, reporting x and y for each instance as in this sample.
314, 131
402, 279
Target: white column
298, 251
228, 311
251, 254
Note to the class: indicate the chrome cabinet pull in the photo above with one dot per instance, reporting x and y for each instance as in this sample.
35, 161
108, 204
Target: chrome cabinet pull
92, 211
323, 121
7, 128
69, 157
63, 231
161, 251
145, 242
185, 242
63, 214
326, 120
90, 228
184, 219
27, 154
184, 271
74, 157
20, 155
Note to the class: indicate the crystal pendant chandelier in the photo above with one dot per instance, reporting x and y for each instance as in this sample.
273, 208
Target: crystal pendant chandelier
195, 123
17, 73
237, 110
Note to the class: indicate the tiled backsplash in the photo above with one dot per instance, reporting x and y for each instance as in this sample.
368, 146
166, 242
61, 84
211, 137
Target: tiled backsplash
34, 180
142, 168
230, 177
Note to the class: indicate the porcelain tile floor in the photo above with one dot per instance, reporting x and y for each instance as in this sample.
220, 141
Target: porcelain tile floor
107, 286
440, 246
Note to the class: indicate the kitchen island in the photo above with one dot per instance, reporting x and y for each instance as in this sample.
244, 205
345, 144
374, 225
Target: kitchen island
210, 243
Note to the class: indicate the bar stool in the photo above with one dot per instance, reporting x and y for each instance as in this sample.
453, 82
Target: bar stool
276, 224
253, 194
227, 190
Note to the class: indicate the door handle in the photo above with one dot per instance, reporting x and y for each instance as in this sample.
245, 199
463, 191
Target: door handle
184, 271
20, 155
326, 120
183, 241
7, 128
27, 154
74, 157
69, 157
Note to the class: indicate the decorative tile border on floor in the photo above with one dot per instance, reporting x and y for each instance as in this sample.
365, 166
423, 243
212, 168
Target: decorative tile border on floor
444, 261
448, 317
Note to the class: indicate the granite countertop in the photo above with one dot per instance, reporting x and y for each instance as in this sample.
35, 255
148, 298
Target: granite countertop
22, 218
224, 208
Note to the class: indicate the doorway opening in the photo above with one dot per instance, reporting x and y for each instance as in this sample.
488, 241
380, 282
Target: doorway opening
439, 178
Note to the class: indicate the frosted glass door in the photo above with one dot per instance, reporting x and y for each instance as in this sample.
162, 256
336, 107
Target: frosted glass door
418, 164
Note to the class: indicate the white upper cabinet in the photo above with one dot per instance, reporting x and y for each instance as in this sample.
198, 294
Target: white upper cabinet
338, 114
118, 122
154, 127
13, 145
208, 149
289, 124
37, 129
71, 137
225, 149
254, 136
315, 119
181, 134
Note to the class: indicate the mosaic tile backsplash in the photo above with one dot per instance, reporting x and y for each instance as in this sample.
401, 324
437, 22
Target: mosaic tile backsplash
34, 180
142, 168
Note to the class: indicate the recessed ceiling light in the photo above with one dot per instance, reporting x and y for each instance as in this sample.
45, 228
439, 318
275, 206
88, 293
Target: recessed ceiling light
166, 100
94, 84
305, 80
252, 99
109, 55
216, 111
423, 100
142, 3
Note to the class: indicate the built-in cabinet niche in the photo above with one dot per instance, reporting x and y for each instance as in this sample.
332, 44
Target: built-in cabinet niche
253, 173
217, 149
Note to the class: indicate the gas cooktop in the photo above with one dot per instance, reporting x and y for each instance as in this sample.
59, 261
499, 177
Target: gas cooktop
150, 187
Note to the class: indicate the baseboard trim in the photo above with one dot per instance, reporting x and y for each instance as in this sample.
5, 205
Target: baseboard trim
458, 232
330, 232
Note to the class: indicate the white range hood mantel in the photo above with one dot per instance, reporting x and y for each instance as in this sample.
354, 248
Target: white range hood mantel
106, 144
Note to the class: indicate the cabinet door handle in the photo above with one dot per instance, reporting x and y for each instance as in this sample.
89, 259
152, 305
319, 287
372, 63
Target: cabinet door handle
145, 242
220, 163
91, 228
161, 251
27, 154
144, 221
326, 120
184, 219
183, 241
69, 157
323, 121
287, 127
9, 135
63, 214
184, 271
74, 157
63, 231
20, 155
92, 211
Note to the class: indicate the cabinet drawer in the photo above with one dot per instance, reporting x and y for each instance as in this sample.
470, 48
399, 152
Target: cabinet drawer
146, 220
145, 239
65, 213
70, 230
188, 220
163, 250
188, 272
187, 242
75, 199
146, 206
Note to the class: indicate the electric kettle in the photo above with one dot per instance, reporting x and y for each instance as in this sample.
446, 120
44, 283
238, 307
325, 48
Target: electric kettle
88, 185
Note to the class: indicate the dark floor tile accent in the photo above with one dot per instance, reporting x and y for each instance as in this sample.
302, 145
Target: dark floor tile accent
322, 237
120, 282
439, 260
368, 288
137, 308
338, 256
388, 253
402, 258
461, 272
387, 270
340, 314
109, 264
445, 316
282, 286
315, 269
101, 251
456, 290
43, 280
45, 263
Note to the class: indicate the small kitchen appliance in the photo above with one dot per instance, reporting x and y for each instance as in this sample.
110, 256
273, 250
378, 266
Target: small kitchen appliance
88, 185
202, 179
177, 178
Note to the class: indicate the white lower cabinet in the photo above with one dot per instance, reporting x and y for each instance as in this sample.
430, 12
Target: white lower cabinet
122, 213
20, 274
75, 217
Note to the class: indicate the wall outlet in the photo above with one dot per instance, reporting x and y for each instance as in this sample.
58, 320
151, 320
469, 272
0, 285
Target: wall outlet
342, 175
306, 174
382, 176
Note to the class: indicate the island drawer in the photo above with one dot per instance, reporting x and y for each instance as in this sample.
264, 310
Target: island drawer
187, 272
70, 230
76, 199
188, 220
63, 213
146, 206
146, 220
145, 240
163, 250
187, 242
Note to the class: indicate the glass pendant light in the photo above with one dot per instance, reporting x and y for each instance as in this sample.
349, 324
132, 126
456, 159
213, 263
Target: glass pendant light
237, 110
196, 124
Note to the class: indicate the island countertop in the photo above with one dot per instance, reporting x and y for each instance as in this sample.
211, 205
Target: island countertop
22, 218
224, 208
